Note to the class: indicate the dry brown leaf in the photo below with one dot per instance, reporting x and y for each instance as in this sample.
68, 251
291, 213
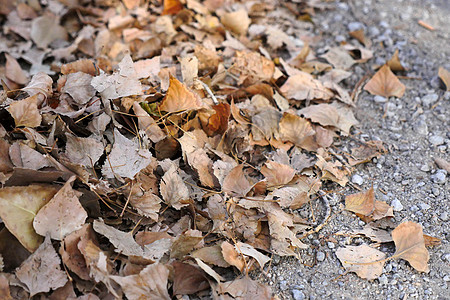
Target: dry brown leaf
362, 260
150, 283
277, 174
62, 215
185, 243
394, 63
126, 159
366, 152
237, 21
444, 75
410, 245
173, 190
431, 241
360, 36
172, 7
236, 183
13, 71
212, 255
232, 257
246, 288
252, 67
295, 129
131, 4
188, 279
218, 122
179, 98
78, 86
45, 29
83, 151
147, 124
82, 65
303, 86
41, 272
291, 197
41, 83
4, 287
25, 157
332, 171
339, 58
385, 83
361, 203
25, 112
249, 250
18, 207
442, 163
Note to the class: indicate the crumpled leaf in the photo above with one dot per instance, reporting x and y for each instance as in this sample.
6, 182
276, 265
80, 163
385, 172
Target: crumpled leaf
179, 98
172, 7
277, 174
235, 183
45, 29
127, 157
237, 21
78, 86
232, 256
173, 190
62, 215
147, 124
246, 288
362, 260
188, 279
410, 245
294, 129
339, 58
249, 250
444, 75
303, 86
83, 151
385, 83
41, 83
120, 84
41, 272
185, 243
25, 112
252, 67
394, 63
13, 71
18, 207
361, 203
150, 283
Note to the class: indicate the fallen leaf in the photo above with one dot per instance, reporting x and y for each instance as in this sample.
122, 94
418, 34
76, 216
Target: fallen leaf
147, 124
25, 112
40, 83
410, 245
442, 163
237, 21
173, 190
83, 151
4, 287
362, 260
394, 63
385, 83
82, 65
361, 203
249, 250
208, 270
277, 174
188, 279
246, 288
444, 75
172, 7
218, 122
232, 257
212, 255
235, 183
303, 86
252, 67
41, 272
126, 159
62, 215
150, 283
131, 4
431, 241
18, 207
45, 29
13, 71
295, 129
339, 58
179, 98
25, 157
78, 86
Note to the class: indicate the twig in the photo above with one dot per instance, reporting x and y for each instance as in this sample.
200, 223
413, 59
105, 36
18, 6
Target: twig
206, 87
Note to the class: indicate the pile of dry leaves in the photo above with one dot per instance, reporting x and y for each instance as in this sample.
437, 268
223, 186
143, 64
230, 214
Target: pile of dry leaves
147, 148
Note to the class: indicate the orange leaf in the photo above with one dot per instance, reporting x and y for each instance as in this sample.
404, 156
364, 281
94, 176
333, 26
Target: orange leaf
410, 245
361, 203
444, 75
179, 98
172, 7
218, 122
385, 83
294, 129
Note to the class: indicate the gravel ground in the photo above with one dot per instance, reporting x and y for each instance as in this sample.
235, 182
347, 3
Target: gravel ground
414, 128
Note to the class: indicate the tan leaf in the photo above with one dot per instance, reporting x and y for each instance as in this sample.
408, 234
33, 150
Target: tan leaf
291, 197
237, 21
145, 202
4, 287
385, 83
41, 83
179, 98
18, 207
444, 75
82, 65
25, 112
339, 58
333, 171
185, 243
362, 260
188, 279
249, 250
410, 245
295, 129
212, 255
236, 183
130, 4
210, 271
83, 151
127, 158
62, 215
45, 29
147, 124
232, 257
13, 71
277, 174
41, 272
78, 86
251, 67
150, 283
173, 190
25, 157
361, 203
394, 63
303, 86
431, 241
246, 288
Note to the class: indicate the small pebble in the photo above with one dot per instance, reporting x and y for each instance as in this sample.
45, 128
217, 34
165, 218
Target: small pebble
425, 168
379, 99
439, 177
414, 208
436, 140
283, 285
446, 278
353, 26
396, 205
424, 206
298, 295
435, 191
330, 245
444, 216
446, 257
383, 279
357, 179
320, 256
429, 100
